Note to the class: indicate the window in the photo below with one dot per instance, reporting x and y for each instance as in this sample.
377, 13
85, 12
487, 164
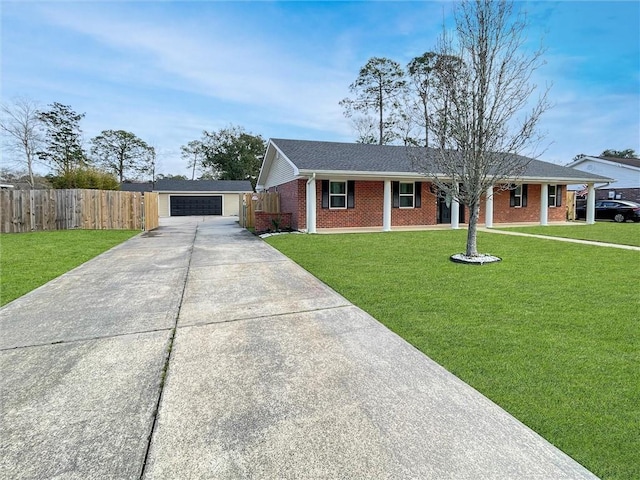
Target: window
406, 195
555, 195
518, 196
337, 194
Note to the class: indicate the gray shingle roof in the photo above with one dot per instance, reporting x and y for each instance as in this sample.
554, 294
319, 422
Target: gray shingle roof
171, 185
359, 157
136, 187
203, 185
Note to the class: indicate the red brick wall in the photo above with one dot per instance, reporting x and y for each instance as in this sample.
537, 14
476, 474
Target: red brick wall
503, 213
264, 221
427, 214
632, 194
368, 209
293, 200
369, 205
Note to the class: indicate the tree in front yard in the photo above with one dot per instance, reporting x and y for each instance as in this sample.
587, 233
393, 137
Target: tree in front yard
490, 116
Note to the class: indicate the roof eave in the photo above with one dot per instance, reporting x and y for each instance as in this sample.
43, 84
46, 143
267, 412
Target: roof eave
391, 175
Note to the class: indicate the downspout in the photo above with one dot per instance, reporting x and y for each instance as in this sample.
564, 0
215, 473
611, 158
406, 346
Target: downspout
311, 204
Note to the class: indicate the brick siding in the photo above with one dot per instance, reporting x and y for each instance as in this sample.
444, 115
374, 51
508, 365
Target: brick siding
632, 194
264, 221
293, 200
503, 213
368, 208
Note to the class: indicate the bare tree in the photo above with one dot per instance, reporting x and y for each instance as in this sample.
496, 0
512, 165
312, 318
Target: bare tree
490, 118
378, 88
21, 128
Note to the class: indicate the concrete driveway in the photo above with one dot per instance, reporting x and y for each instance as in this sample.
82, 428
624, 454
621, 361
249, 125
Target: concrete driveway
198, 351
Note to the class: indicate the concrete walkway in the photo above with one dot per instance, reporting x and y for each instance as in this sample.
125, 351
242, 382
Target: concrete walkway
198, 351
561, 239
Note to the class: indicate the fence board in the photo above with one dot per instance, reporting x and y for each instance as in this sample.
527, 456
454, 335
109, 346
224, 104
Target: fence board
267, 202
34, 210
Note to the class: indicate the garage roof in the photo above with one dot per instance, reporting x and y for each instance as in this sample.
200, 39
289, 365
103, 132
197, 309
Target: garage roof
171, 185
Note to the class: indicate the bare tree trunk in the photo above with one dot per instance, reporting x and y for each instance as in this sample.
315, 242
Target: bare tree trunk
381, 124
472, 232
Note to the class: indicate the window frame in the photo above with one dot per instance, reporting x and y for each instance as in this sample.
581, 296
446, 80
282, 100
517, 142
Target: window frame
517, 197
554, 200
337, 195
411, 195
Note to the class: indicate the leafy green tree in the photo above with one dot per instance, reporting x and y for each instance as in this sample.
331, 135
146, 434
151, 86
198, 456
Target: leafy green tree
379, 89
628, 153
83, 177
169, 176
121, 152
63, 150
233, 153
421, 72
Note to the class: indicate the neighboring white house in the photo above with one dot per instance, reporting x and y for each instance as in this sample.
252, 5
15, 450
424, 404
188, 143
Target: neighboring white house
624, 171
195, 197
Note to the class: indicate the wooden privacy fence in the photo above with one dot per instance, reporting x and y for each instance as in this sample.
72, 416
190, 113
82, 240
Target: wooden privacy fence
34, 210
250, 203
571, 205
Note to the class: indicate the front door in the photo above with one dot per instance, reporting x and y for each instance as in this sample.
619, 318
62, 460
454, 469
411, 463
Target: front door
444, 210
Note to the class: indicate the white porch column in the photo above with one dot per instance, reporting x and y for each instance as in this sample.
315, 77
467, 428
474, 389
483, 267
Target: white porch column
591, 204
386, 209
455, 214
544, 204
311, 205
488, 216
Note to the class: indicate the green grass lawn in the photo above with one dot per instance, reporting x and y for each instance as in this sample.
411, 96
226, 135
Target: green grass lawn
28, 260
551, 333
609, 232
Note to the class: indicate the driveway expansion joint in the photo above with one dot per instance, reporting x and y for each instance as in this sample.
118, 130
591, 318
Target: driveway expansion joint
263, 317
165, 369
84, 339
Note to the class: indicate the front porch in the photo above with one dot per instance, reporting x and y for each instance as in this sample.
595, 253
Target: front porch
418, 228
546, 206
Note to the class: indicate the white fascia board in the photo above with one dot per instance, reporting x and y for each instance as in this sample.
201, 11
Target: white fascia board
270, 156
326, 174
266, 161
562, 180
609, 163
356, 175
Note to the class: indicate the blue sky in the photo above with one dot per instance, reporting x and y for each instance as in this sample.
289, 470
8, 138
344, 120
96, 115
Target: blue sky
168, 70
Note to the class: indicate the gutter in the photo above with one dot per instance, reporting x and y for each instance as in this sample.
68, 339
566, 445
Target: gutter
313, 177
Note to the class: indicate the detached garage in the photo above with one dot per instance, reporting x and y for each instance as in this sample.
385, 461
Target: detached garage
196, 197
